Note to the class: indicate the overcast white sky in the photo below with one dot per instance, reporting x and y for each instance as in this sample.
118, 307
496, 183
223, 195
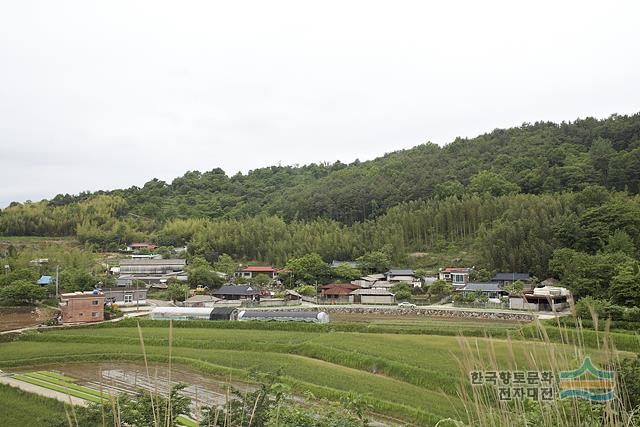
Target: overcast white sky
103, 95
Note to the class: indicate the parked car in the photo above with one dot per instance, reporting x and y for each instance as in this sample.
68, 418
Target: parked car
406, 304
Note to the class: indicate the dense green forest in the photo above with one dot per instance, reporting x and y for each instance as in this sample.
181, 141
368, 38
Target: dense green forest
551, 199
532, 159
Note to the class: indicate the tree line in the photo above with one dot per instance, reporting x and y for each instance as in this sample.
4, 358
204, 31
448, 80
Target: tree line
537, 158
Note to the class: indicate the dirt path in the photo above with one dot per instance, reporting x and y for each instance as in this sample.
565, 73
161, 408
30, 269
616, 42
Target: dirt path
31, 388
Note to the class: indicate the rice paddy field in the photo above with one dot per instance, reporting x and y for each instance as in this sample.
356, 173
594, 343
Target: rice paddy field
404, 375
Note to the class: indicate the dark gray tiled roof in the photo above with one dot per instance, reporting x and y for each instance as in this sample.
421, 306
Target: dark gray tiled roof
499, 277
483, 287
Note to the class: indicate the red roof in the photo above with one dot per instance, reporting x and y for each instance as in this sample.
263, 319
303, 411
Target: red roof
336, 290
455, 269
258, 268
142, 245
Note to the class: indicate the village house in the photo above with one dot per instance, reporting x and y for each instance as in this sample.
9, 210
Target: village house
547, 298
492, 290
337, 293
383, 284
292, 296
369, 280
125, 297
152, 266
82, 307
400, 275
372, 296
151, 271
238, 292
201, 301
457, 276
505, 279
252, 271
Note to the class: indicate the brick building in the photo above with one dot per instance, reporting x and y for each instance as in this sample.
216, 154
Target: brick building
81, 307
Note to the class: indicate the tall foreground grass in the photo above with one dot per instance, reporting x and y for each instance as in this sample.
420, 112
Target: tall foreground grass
484, 408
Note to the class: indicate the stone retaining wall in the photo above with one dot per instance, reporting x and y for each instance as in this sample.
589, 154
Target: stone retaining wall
426, 312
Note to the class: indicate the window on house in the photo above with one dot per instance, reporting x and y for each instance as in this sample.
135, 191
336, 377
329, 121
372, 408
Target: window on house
80, 314
94, 314
128, 298
94, 302
458, 278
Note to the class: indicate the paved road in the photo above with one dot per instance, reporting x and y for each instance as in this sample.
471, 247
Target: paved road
31, 388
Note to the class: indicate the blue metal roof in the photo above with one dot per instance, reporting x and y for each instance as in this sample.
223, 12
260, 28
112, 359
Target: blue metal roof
44, 280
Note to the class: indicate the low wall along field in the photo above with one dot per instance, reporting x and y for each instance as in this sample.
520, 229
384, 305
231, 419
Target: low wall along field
424, 312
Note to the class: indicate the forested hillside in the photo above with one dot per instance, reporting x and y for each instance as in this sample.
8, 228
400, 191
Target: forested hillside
533, 159
549, 199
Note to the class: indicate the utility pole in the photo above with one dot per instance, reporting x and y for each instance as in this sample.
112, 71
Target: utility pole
57, 281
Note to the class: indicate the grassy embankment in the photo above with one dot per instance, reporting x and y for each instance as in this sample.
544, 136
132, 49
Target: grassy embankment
19, 408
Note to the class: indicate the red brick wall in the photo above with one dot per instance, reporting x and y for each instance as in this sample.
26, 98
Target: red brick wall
84, 308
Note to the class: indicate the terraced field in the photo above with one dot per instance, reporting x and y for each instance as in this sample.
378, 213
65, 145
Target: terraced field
412, 377
66, 385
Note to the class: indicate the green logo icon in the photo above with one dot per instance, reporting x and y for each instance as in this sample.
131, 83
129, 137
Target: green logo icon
588, 382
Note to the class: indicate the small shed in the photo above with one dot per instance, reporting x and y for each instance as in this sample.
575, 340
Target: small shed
372, 296
224, 313
290, 295
539, 302
201, 301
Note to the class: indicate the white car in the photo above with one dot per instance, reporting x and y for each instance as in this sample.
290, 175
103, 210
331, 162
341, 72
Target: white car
406, 304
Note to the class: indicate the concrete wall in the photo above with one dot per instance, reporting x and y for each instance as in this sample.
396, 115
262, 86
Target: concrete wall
276, 302
377, 299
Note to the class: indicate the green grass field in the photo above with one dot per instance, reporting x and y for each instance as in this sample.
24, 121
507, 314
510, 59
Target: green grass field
410, 376
18, 408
